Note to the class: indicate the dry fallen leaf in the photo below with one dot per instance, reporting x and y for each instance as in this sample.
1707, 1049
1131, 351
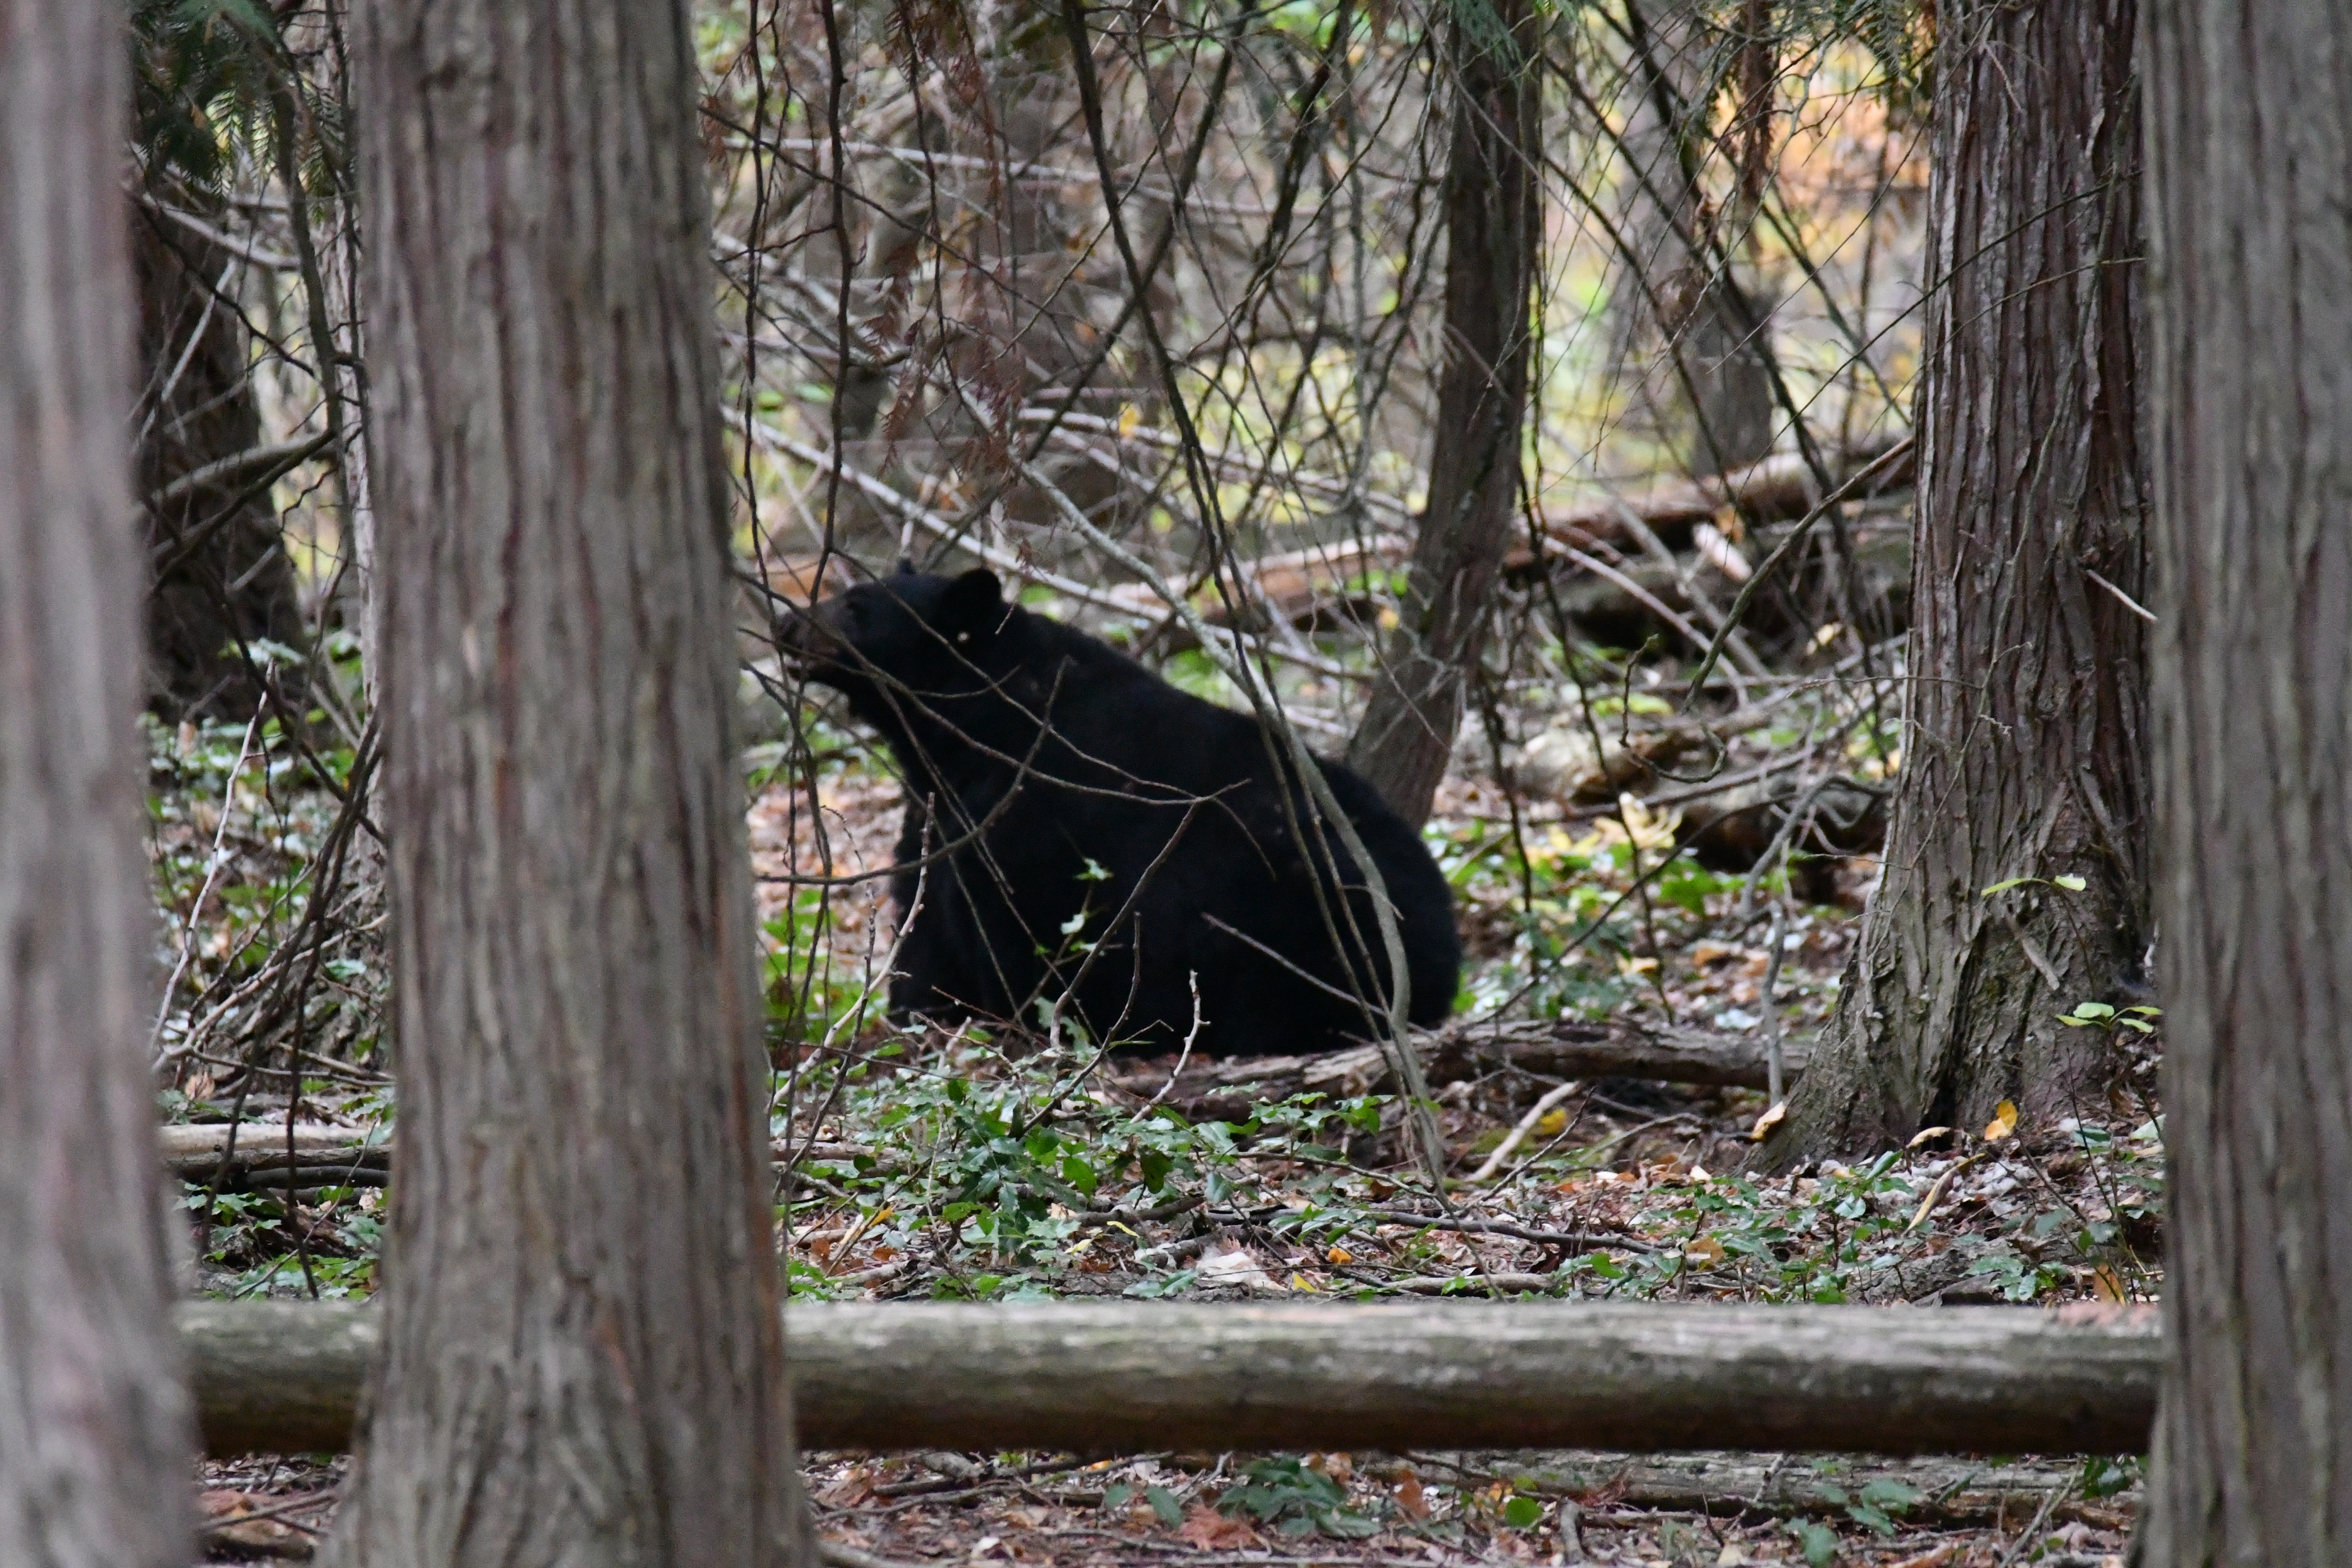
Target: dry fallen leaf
1769, 1120
2003, 1122
2108, 1286
1207, 1529
1340, 1255
1410, 1498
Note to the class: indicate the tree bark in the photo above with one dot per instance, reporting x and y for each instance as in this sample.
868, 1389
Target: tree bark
583, 1359
2250, 176
1493, 213
2023, 745
1718, 387
223, 582
95, 1432
1125, 1378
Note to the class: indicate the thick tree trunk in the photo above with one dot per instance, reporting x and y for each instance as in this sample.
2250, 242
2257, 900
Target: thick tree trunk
583, 1362
222, 581
2250, 179
1124, 1377
1494, 211
2024, 745
95, 1432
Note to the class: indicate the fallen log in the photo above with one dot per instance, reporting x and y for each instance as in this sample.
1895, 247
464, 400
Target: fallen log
1129, 1377
318, 1150
1561, 1048
1945, 1491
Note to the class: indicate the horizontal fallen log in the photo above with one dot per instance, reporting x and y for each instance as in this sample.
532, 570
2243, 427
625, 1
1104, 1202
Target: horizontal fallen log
1776, 487
318, 1150
1129, 1377
1561, 1048
1945, 1491
330, 1155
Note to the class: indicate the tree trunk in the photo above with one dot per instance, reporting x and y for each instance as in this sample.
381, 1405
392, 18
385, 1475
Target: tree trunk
224, 582
95, 1431
583, 1359
1494, 211
1718, 385
2023, 750
2250, 169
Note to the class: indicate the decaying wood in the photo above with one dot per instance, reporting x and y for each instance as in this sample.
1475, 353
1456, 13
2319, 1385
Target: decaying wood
1948, 1492
1113, 1377
1562, 1048
194, 1154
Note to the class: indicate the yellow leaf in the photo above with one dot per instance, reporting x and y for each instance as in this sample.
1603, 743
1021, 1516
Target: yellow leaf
1341, 1255
2003, 1123
1130, 417
2108, 1286
1631, 967
1926, 1135
1769, 1120
1553, 1124
1300, 1282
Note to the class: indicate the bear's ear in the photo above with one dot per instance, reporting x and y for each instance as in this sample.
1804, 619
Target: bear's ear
973, 603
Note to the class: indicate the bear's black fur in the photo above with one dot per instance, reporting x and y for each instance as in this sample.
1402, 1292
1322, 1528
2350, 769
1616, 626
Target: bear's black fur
1062, 802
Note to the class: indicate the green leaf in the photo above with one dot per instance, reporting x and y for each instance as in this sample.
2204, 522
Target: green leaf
1818, 1543
1870, 1519
1523, 1512
1116, 1496
1164, 1506
2071, 884
2004, 886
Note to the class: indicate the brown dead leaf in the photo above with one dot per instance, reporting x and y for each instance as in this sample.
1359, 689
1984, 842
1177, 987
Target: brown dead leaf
1933, 1557
850, 1490
1410, 1498
2108, 1286
227, 1525
1210, 1530
2105, 1314
2003, 1123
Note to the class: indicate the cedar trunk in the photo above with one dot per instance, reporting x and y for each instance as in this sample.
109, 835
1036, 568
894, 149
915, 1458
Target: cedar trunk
1494, 211
95, 1431
2024, 746
2249, 178
583, 1358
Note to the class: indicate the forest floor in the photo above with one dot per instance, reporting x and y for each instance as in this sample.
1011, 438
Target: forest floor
927, 1166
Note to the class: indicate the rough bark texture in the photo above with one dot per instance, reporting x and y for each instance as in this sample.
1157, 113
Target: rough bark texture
1494, 214
2250, 170
94, 1428
1125, 1378
582, 1356
2024, 745
224, 582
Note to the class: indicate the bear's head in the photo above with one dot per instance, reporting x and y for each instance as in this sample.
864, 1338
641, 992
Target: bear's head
898, 644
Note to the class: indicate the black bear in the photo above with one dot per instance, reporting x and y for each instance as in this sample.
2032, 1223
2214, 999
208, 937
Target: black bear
1081, 835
